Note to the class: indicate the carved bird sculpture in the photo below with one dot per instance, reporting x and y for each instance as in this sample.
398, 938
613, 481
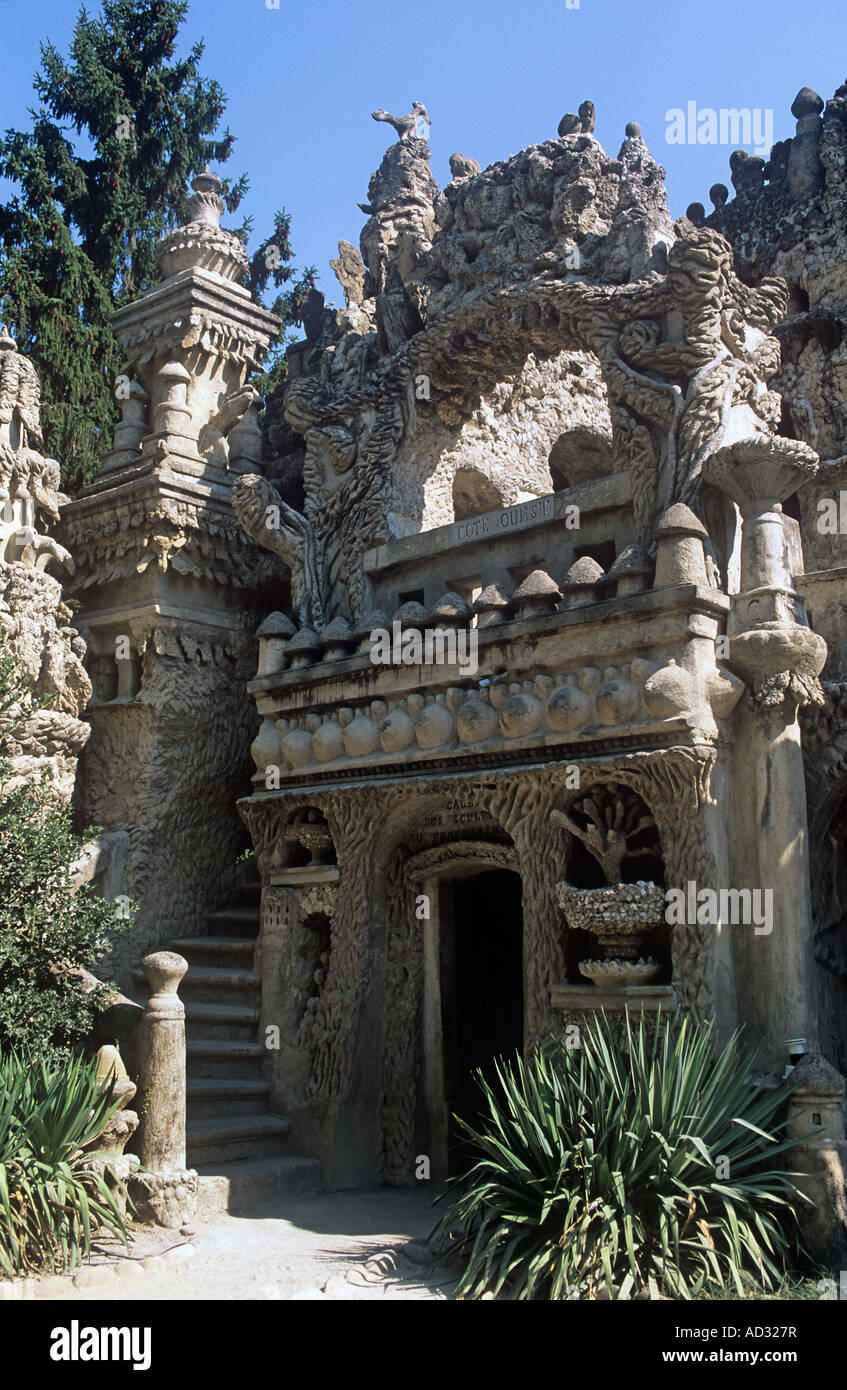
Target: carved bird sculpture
270, 521
406, 126
212, 441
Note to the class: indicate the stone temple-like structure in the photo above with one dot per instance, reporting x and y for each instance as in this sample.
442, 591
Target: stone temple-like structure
515, 646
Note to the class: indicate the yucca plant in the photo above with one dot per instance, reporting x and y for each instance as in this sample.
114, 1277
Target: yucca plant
52, 1200
651, 1169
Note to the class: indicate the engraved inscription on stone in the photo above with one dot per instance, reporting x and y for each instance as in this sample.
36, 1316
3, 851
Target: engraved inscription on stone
458, 820
509, 519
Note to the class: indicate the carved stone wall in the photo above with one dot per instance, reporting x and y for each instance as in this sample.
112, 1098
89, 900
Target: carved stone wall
37, 630
785, 219
166, 767
35, 621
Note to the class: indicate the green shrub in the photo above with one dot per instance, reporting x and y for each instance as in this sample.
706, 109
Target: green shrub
51, 1200
47, 930
653, 1169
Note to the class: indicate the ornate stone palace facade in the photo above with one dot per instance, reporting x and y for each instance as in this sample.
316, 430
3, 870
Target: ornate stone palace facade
518, 645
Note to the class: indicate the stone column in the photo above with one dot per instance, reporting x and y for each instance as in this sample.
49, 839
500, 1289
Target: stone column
775, 652
166, 1192
163, 559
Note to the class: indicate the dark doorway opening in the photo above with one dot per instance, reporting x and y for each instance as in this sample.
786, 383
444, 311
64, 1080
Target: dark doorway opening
481, 992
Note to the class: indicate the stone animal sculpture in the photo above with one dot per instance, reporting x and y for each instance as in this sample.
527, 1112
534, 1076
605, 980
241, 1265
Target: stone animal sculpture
212, 441
406, 126
279, 528
582, 124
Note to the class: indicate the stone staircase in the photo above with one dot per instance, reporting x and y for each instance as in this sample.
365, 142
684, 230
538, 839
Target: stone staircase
236, 1143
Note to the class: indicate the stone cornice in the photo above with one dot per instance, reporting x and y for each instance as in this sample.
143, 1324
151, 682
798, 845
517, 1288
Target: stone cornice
195, 307
117, 531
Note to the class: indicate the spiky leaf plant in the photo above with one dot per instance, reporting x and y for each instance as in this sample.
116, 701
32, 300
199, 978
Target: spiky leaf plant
656, 1168
51, 1198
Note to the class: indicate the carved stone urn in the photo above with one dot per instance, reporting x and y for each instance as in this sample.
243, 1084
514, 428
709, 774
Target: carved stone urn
313, 835
618, 917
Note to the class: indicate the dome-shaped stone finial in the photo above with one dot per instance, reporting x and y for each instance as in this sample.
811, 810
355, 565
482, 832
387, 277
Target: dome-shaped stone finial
807, 103
633, 131
696, 213
201, 243
718, 194
163, 971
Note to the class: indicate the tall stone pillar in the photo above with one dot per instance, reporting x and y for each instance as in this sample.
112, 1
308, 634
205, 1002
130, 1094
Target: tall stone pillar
775, 652
168, 584
166, 1191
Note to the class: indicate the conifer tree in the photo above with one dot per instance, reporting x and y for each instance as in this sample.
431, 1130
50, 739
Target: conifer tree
78, 236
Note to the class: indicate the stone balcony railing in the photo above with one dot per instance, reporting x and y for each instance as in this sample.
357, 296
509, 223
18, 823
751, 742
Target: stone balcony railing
502, 546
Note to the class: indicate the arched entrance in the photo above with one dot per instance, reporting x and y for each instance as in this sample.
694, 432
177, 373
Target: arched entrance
473, 1005
481, 990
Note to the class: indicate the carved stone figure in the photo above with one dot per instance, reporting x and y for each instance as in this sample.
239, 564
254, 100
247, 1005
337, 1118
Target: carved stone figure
29, 482
269, 520
406, 126
463, 167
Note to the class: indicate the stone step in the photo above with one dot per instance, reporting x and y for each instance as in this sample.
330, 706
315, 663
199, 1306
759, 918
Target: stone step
212, 1020
223, 984
224, 1058
241, 1187
222, 949
219, 984
239, 1137
210, 1097
240, 920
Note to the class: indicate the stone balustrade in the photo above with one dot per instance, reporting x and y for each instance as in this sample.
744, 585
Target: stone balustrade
555, 680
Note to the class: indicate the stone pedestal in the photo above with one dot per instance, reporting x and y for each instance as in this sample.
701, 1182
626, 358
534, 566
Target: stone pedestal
166, 1191
816, 1115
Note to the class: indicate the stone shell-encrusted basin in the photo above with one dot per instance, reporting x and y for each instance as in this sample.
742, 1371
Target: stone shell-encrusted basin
315, 838
636, 906
618, 974
617, 916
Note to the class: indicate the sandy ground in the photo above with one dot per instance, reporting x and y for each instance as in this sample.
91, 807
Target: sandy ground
346, 1245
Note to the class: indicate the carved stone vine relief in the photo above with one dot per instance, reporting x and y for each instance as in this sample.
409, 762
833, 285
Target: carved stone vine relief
404, 986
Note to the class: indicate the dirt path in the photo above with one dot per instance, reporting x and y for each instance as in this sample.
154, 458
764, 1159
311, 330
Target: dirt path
331, 1245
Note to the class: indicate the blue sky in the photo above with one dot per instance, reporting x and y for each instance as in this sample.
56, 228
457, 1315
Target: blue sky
495, 77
